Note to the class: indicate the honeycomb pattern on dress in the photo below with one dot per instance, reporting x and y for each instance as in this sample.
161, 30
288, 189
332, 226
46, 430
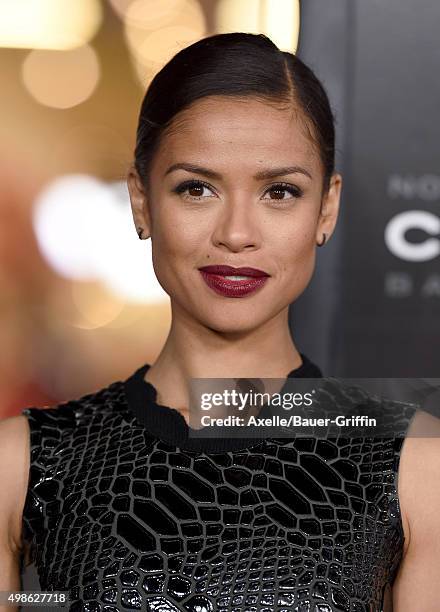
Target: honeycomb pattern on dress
125, 521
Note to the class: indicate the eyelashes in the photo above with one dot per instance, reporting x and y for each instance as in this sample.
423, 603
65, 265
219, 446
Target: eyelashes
192, 184
296, 192
199, 185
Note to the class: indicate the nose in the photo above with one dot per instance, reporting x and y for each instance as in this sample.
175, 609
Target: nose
236, 227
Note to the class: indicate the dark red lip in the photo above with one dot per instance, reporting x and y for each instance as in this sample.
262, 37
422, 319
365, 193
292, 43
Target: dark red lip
233, 288
229, 270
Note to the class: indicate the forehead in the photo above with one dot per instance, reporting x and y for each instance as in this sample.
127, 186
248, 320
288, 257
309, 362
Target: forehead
245, 131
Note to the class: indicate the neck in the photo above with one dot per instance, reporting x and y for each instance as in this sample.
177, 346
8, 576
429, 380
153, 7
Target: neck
192, 350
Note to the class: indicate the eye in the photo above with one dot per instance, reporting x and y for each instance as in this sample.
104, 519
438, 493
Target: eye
194, 189
279, 191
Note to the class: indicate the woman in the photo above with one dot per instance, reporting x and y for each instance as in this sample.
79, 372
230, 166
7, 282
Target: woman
115, 500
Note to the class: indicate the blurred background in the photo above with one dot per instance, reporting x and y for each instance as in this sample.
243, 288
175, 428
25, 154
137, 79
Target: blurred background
80, 305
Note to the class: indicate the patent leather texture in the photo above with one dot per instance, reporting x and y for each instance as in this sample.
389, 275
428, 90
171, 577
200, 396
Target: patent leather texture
126, 519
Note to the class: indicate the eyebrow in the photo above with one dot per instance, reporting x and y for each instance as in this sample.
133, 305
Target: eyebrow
261, 175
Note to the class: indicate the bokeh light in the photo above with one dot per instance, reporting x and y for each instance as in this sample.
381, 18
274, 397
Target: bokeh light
158, 47
48, 24
61, 79
155, 33
85, 231
278, 19
95, 305
148, 15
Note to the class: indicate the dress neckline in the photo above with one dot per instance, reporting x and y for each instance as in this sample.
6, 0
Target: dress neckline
169, 425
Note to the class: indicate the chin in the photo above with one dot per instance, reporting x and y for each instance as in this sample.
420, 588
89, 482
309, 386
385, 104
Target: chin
228, 323
232, 331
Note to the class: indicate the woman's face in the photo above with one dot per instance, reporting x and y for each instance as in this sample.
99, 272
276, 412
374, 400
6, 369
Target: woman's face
237, 183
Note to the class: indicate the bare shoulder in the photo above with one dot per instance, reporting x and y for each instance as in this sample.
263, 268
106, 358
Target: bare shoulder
419, 497
14, 473
419, 471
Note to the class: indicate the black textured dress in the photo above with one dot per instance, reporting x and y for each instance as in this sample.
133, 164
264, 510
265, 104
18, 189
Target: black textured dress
127, 512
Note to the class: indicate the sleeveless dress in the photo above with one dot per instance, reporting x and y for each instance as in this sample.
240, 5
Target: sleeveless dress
126, 511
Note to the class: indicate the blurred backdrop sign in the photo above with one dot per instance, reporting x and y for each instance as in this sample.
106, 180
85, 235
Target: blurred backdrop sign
382, 307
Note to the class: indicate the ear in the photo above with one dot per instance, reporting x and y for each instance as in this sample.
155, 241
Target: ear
139, 204
329, 208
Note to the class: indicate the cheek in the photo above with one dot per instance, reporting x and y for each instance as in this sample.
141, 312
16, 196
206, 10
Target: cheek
176, 240
295, 254
295, 240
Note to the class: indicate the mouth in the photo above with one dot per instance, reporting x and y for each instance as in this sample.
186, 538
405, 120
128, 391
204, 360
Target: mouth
233, 282
234, 273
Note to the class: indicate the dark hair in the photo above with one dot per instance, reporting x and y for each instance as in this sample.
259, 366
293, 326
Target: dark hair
233, 64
